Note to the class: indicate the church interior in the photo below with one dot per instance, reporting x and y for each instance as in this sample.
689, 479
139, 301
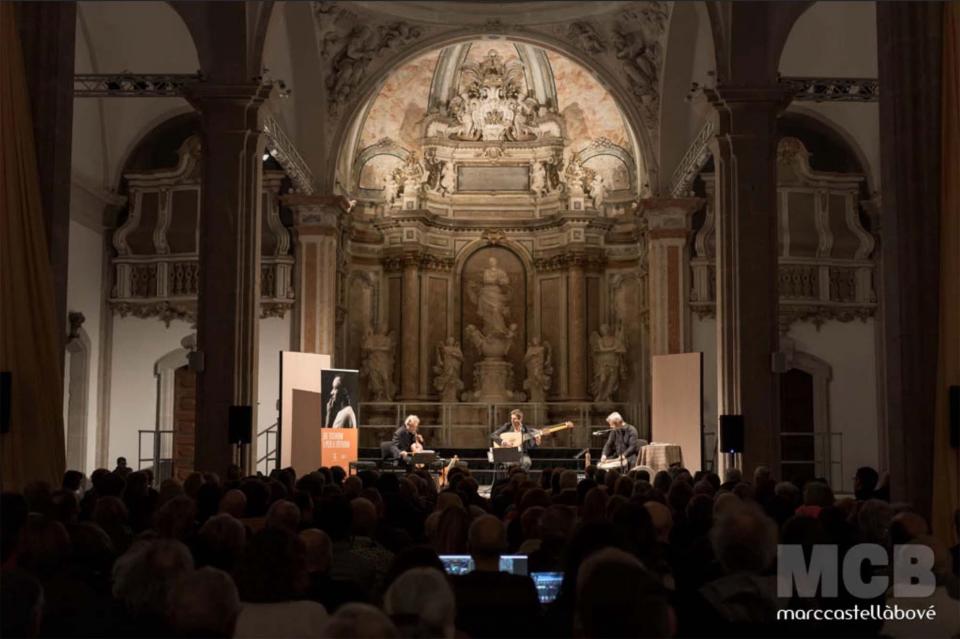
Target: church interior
741, 216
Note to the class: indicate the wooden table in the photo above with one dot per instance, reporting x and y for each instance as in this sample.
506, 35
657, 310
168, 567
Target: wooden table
660, 456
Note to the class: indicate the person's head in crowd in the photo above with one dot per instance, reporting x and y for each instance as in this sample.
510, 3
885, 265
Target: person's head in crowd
699, 514
732, 476
37, 494
234, 503
865, 482
873, 521
761, 475
73, 481
272, 567
568, 480
110, 513
277, 490
624, 486
121, 464
220, 542
338, 474
817, 493
634, 526
530, 522
744, 491
681, 492
421, 604
452, 528
318, 549
208, 501
176, 518
284, 514
744, 539
364, 518
312, 483
258, 497
144, 576
203, 603
352, 486
418, 556
137, 486
21, 605
662, 481
93, 551
359, 621
44, 546
170, 488
704, 487
618, 597
13, 515
64, 506
191, 485
662, 520
724, 502
907, 525
486, 540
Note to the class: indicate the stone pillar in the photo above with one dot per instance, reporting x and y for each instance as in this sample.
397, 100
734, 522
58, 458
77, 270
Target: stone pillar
744, 151
317, 225
228, 304
577, 329
410, 328
668, 271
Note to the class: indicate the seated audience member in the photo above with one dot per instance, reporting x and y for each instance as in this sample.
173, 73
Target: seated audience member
359, 621
421, 604
332, 593
272, 580
486, 589
21, 604
284, 514
865, 483
945, 599
203, 603
731, 477
335, 517
234, 503
618, 597
220, 542
143, 579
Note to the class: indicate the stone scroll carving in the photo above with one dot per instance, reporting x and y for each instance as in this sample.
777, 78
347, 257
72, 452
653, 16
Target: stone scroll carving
447, 370
379, 348
609, 350
539, 364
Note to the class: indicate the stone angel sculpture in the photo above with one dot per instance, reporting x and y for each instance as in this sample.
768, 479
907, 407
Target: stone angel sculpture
447, 370
598, 190
609, 350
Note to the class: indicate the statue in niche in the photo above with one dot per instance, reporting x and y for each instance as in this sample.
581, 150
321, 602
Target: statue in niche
492, 297
378, 350
539, 365
447, 370
609, 351
573, 178
448, 179
554, 167
391, 188
538, 179
434, 170
639, 59
598, 190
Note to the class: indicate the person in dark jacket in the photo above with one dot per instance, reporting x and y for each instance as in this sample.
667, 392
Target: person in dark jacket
622, 443
406, 441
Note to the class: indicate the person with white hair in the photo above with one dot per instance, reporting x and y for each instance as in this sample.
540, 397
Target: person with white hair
623, 443
406, 441
421, 603
204, 603
143, 577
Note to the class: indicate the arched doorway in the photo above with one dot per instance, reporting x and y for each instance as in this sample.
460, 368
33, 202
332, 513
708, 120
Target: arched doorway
806, 446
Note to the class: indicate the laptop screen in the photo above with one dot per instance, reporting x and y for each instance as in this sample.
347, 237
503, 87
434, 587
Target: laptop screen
462, 564
548, 585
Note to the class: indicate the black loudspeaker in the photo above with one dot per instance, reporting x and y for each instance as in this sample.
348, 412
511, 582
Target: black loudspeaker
241, 424
953, 395
731, 433
6, 396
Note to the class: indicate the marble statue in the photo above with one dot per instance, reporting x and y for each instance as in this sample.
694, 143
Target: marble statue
573, 178
447, 370
378, 350
609, 367
493, 375
598, 190
539, 365
492, 297
538, 178
448, 178
390, 189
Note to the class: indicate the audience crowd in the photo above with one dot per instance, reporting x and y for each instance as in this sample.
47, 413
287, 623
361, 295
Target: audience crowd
331, 555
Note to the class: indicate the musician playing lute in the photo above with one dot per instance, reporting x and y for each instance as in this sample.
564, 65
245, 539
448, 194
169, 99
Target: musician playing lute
529, 437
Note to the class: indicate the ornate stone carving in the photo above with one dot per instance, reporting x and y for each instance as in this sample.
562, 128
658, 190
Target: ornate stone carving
586, 37
492, 373
609, 367
834, 89
598, 190
636, 40
538, 362
379, 348
165, 311
447, 370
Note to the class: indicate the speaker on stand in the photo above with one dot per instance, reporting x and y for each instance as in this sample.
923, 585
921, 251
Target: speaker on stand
240, 434
731, 438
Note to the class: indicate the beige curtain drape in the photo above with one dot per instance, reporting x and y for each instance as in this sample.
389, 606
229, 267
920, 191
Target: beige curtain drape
946, 467
29, 340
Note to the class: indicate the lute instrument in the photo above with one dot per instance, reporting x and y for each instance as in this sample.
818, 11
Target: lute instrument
515, 439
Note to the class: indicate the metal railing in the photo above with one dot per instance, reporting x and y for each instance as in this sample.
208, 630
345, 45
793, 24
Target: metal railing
159, 453
271, 456
449, 417
827, 458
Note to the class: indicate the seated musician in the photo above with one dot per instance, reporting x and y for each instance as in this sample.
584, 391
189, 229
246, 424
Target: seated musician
516, 425
406, 441
622, 443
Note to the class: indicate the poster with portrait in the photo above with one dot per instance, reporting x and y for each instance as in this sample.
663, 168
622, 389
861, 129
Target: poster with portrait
340, 396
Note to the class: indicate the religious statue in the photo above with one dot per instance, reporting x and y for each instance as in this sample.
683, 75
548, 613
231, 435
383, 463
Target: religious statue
377, 368
539, 365
598, 190
448, 178
447, 370
573, 178
492, 296
608, 351
390, 189
538, 178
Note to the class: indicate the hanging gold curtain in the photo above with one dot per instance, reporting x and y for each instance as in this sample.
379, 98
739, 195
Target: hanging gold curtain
946, 467
29, 340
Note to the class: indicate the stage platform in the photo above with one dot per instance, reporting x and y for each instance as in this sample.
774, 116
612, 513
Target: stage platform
482, 469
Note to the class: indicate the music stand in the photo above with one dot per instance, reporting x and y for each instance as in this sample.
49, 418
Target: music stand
504, 457
426, 457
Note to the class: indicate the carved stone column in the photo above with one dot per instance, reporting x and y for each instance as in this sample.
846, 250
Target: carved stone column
410, 328
228, 304
317, 226
577, 328
747, 297
668, 269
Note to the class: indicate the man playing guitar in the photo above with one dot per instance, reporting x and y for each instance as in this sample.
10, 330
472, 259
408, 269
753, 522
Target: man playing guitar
528, 437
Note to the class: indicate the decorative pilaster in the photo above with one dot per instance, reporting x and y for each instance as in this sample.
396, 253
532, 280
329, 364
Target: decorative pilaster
317, 221
668, 268
228, 302
577, 327
410, 327
746, 288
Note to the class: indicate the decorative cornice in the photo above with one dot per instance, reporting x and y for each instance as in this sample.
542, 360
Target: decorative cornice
168, 311
808, 89
132, 85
